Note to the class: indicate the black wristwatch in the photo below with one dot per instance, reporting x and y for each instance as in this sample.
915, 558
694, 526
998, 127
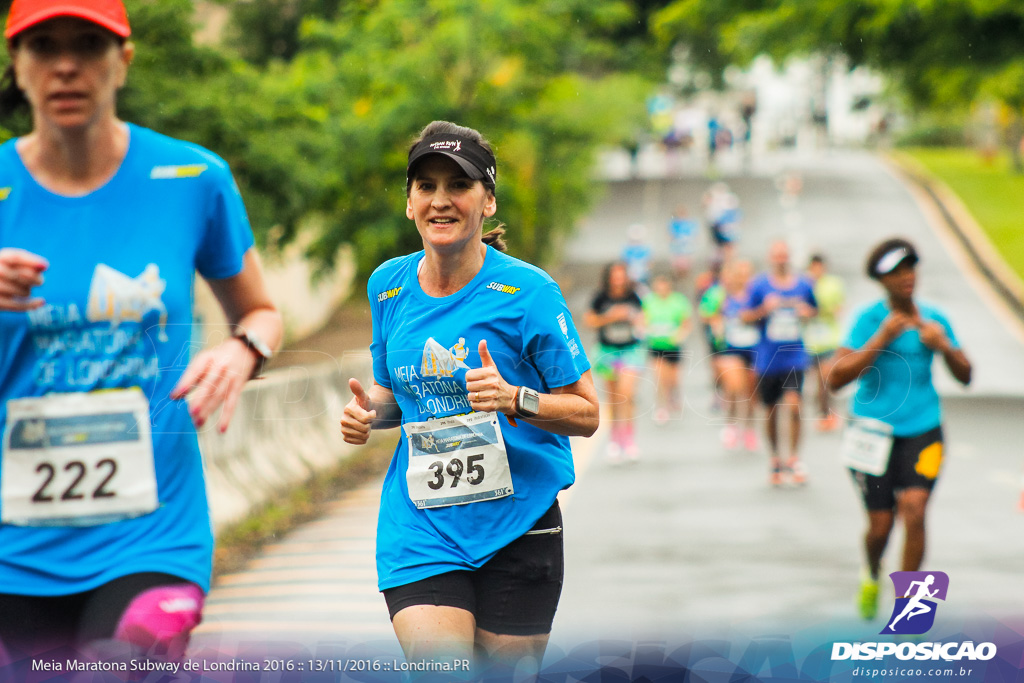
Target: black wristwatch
256, 345
527, 402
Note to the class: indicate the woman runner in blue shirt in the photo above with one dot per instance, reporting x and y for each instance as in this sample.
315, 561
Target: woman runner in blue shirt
476, 356
894, 444
104, 523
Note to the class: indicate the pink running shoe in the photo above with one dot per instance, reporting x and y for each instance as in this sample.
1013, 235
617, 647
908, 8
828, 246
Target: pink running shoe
797, 471
750, 440
730, 437
632, 452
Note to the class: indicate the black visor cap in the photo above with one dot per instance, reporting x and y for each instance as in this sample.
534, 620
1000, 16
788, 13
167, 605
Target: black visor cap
474, 160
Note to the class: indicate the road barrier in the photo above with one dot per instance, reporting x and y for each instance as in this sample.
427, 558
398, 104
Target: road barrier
285, 429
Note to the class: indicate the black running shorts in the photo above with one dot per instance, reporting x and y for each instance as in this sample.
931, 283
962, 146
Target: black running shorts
515, 593
674, 356
27, 621
914, 462
771, 387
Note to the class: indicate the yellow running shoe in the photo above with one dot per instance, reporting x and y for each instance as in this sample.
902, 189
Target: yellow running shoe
868, 600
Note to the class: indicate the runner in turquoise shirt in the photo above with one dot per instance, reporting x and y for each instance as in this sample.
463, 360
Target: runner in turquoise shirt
894, 444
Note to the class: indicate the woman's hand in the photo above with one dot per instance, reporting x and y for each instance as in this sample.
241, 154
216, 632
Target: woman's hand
895, 324
214, 378
934, 336
805, 311
20, 271
620, 312
487, 390
357, 419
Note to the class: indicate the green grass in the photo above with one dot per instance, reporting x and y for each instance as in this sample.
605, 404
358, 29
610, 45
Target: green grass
993, 193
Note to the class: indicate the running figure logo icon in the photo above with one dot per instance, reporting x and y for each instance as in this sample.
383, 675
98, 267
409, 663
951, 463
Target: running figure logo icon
914, 613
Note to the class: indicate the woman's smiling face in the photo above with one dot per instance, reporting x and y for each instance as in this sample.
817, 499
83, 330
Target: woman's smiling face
447, 206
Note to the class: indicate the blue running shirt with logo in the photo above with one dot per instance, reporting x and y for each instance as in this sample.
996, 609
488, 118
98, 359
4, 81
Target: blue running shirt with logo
785, 352
118, 314
897, 389
422, 347
739, 336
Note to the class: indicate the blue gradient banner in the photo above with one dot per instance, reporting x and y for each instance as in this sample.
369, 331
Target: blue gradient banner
987, 651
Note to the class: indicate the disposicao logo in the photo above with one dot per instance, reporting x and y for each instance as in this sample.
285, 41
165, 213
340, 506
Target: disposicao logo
914, 613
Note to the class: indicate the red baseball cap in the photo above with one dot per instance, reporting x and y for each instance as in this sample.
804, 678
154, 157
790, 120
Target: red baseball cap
110, 14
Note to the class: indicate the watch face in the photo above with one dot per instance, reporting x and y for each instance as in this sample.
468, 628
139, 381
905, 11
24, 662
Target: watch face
261, 347
257, 345
530, 402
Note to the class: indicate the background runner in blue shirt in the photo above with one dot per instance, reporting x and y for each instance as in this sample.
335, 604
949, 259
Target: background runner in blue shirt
734, 365
476, 356
682, 241
780, 301
103, 225
889, 351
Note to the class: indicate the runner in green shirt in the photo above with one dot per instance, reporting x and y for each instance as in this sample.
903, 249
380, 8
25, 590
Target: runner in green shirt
822, 335
667, 322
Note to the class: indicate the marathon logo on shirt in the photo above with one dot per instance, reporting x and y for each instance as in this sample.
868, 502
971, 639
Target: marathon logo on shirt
175, 172
5, 192
441, 362
504, 289
115, 297
388, 294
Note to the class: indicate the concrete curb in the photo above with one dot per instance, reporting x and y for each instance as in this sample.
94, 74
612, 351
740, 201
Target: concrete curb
957, 217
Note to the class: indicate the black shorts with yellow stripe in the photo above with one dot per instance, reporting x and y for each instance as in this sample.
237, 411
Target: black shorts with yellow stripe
914, 462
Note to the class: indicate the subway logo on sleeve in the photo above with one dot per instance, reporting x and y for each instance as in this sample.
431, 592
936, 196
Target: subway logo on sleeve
504, 289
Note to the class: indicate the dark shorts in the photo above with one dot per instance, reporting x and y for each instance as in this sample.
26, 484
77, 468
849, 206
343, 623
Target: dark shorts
722, 234
31, 621
746, 355
715, 345
674, 356
914, 462
771, 387
514, 593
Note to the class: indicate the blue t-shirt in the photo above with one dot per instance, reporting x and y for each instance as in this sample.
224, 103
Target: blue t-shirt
781, 349
118, 314
897, 388
682, 233
638, 261
739, 336
422, 347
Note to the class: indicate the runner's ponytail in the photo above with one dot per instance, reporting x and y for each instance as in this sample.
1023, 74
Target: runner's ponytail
493, 238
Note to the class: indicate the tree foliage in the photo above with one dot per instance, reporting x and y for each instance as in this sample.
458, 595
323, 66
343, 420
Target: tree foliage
941, 52
314, 104
515, 70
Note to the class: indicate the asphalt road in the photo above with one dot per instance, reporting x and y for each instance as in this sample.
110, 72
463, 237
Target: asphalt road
691, 540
